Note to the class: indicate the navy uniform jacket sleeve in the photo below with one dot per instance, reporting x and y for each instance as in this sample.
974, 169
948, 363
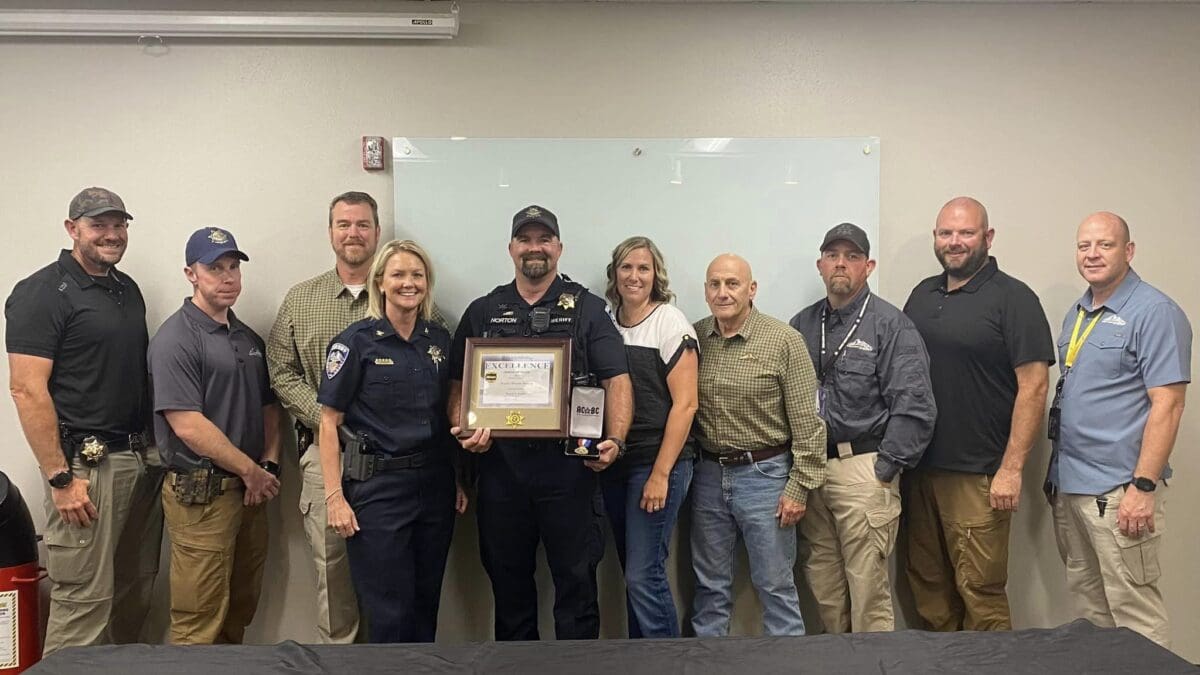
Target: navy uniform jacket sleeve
467, 327
906, 389
343, 371
606, 347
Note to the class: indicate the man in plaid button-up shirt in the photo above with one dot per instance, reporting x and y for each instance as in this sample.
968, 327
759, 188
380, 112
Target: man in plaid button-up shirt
762, 451
312, 314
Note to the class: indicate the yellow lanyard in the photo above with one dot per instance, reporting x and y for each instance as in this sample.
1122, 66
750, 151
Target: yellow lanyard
1077, 340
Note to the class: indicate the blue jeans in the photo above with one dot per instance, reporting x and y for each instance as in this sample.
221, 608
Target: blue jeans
643, 542
742, 500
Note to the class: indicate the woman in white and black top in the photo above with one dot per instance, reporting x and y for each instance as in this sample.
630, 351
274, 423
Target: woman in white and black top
644, 490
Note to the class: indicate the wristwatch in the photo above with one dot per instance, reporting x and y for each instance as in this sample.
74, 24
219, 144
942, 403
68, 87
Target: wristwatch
270, 467
61, 479
620, 445
1144, 484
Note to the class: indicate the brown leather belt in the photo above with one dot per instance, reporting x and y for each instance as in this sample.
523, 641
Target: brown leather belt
738, 458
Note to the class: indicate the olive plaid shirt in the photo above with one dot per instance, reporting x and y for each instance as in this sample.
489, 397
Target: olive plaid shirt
312, 314
758, 390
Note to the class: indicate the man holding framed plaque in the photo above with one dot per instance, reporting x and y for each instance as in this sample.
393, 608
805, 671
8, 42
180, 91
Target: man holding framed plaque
532, 363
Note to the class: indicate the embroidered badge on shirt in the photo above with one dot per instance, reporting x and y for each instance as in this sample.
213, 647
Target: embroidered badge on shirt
336, 359
1114, 320
384, 362
860, 344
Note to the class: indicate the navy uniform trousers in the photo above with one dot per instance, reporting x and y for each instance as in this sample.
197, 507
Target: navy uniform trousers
398, 557
530, 491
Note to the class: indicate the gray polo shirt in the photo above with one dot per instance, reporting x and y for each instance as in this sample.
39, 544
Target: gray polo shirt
218, 370
879, 386
1141, 341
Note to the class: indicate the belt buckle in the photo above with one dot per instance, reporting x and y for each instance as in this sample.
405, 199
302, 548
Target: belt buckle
92, 451
728, 459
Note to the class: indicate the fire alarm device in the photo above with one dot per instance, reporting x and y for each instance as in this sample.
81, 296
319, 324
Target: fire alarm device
372, 152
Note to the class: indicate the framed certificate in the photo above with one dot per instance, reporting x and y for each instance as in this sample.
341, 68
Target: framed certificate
517, 387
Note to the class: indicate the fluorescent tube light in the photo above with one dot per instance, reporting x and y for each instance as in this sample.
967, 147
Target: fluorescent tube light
426, 20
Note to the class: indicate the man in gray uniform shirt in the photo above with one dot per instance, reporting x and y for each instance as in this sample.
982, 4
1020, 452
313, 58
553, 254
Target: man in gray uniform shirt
876, 399
217, 422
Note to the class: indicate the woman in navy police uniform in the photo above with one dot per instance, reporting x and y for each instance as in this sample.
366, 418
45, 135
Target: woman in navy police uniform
386, 378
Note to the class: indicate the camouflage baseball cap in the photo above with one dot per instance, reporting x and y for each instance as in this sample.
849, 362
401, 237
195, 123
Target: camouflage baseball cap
94, 201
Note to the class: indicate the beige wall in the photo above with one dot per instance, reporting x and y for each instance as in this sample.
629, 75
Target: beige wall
1043, 112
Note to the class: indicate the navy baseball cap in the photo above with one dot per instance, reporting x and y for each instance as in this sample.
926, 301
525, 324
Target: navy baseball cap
535, 214
209, 243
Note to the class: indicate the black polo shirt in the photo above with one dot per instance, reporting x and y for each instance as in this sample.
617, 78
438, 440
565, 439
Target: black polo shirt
94, 329
392, 389
976, 336
218, 370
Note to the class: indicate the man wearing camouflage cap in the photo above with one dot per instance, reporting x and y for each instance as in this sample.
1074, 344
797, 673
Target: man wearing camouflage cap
76, 340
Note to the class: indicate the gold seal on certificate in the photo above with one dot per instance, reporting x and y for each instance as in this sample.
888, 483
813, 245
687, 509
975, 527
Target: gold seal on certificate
517, 387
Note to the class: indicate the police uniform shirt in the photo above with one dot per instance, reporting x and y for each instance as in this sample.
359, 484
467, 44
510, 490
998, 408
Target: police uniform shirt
878, 388
604, 348
654, 345
218, 370
392, 389
94, 329
1141, 340
977, 335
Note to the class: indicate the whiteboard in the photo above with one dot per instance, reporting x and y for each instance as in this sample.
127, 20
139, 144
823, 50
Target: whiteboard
770, 200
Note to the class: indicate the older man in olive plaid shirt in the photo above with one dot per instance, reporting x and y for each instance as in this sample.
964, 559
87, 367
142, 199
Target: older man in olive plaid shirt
762, 451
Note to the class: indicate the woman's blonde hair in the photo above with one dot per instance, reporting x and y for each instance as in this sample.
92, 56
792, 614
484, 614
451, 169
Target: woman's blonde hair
659, 291
375, 300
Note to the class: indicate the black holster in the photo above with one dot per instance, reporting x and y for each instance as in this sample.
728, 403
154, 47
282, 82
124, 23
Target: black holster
304, 437
357, 462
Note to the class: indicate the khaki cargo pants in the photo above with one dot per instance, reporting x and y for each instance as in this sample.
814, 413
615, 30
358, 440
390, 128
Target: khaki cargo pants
217, 555
102, 576
1113, 579
851, 527
957, 550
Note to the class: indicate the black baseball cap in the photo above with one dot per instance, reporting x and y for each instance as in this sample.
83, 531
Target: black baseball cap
535, 214
848, 232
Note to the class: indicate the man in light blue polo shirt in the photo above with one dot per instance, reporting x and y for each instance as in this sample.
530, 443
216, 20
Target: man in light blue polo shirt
1125, 360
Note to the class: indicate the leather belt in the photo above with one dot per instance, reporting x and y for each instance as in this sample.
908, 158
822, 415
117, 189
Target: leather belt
741, 457
845, 449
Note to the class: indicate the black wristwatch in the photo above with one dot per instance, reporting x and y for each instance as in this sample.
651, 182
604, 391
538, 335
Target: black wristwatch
1144, 484
61, 479
620, 445
271, 467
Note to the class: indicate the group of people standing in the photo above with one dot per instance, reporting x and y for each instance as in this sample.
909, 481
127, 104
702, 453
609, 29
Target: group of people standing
766, 425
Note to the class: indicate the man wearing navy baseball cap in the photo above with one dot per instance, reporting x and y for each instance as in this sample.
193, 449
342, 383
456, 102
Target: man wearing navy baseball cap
217, 421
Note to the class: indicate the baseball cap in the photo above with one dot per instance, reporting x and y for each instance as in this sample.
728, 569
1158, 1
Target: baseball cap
209, 243
848, 232
534, 214
94, 201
